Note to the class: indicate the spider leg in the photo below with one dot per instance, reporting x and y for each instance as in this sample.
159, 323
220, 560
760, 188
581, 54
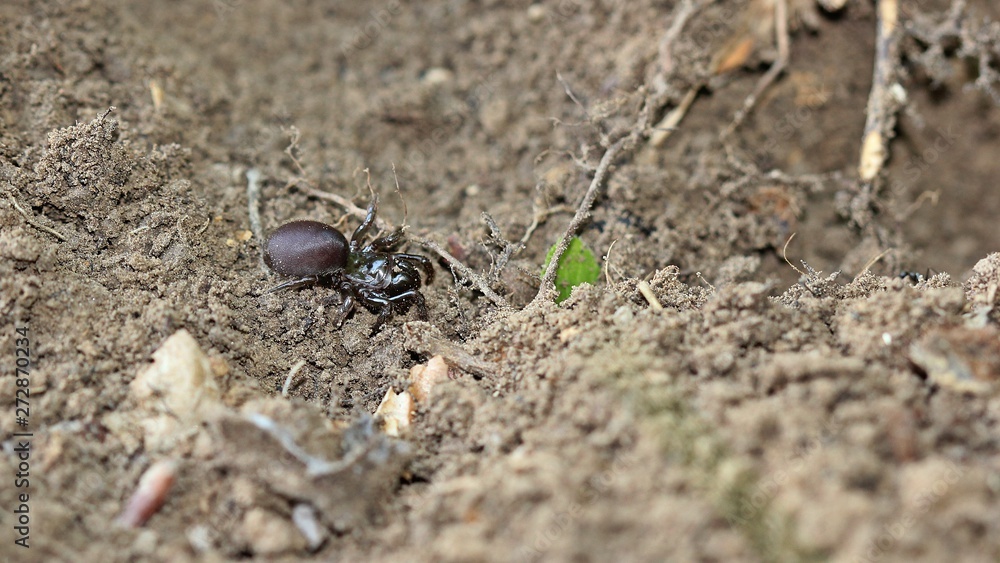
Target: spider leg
412, 297
422, 261
386, 243
384, 312
405, 267
362, 231
300, 282
346, 306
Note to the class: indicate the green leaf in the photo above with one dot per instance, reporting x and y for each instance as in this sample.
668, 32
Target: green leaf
576, 266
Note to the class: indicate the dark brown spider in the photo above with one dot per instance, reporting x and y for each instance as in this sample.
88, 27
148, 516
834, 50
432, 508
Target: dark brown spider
374, 275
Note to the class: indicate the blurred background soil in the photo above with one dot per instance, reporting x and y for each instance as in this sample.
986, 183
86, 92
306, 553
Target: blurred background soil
752, 409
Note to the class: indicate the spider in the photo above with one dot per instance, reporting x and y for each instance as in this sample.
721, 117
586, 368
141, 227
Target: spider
372, 274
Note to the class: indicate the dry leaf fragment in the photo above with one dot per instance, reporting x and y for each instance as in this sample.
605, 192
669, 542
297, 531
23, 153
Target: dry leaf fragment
733, 54
396, 411
423, 377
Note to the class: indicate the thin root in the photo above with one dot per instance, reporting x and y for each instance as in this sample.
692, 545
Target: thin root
784, 254
466, 272
781, 30
871, 263
291, 375
607, 263
32, 221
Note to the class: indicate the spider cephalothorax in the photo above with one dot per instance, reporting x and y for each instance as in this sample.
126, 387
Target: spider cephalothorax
372, 274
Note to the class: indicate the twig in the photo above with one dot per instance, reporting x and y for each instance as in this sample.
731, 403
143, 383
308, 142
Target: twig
881, 117
466, 272
872, 263
666, 126
33, 222
424, 338
583, 211
315, 466
647, 292
341, 201
669, 123
781, 31
784, 254
684, 11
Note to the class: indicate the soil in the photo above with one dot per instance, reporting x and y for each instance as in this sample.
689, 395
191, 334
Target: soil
705, 399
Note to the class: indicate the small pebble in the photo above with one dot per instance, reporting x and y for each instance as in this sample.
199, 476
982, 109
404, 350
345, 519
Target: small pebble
154, 485
536, 13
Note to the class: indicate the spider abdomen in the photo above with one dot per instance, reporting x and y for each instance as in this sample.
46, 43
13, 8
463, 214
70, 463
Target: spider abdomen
306, 248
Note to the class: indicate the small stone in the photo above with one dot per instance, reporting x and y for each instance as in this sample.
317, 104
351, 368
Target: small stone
150, 494
304, 516
180, 382
269, 534
536, 13
437, 76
